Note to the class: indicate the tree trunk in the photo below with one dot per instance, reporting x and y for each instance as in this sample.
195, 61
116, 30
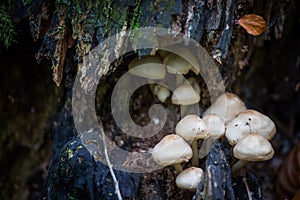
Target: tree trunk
61, 33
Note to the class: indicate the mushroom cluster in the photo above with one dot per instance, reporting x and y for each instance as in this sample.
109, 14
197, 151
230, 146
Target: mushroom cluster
247, 130
188, 130
156, 67
178, 148
250, 132
175, 149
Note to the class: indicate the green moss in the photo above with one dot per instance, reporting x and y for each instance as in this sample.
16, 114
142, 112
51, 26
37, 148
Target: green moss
26, 2
7, 32
135, 23
72, 196
69, 153
112, 15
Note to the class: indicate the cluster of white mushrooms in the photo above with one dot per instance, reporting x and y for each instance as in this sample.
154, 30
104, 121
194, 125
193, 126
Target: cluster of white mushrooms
247, 130
156, 67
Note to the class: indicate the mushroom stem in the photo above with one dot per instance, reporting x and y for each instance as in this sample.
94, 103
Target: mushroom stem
195, 159
238, 166
151, 87
187, 110
183, 110
178, 167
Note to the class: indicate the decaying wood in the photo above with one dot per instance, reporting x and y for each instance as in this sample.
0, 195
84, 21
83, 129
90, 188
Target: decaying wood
221, 48
217, 183
78, 27
55, 43
247, 187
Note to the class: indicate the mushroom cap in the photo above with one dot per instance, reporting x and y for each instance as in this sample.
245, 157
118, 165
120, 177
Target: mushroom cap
191, 127
227, 106
161, 92
189, 178
187, 54
194, 84
176, 64
148, 67
249, 121
253, 147
215, 125
170, 150
185, 95
162, 53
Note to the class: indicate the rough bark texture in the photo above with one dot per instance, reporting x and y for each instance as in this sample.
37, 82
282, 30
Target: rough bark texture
41, 154
217, 184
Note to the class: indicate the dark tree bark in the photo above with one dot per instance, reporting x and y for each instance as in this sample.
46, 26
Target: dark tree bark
60, 33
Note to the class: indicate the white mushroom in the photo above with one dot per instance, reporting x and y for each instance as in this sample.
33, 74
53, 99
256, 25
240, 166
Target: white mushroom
148, 67
227, 106
253, 147
194, 84
190, 178
180, 61
192, 128
191, 58
172, 150
215, 129
185, 95
215, 125
249, 121
176, 64
162, 53
161, 92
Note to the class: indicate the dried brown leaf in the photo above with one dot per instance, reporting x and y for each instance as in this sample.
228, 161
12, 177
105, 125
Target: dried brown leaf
288, 181
253, 24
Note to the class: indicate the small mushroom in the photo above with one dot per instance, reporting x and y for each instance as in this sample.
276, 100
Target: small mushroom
227, 106
215, 129
253, 147
148, 67
249, 121
176, 64
185, 95
172, 150
190, 178
161, 92
215, 125
189, 58
162, 53
180, 61
191, 128
194, 84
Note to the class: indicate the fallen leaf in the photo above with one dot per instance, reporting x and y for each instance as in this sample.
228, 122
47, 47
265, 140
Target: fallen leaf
288, 177
253, 24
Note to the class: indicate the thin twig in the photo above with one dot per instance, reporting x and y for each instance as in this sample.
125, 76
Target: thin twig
117, 190
247, 188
